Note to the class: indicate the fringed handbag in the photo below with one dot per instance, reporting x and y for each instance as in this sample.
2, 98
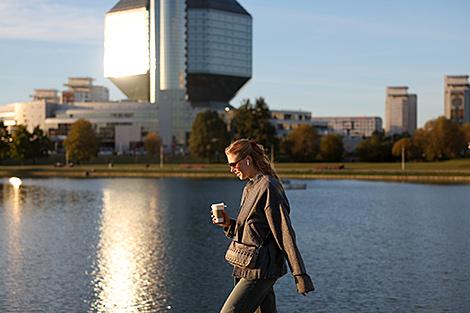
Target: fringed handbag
241, 255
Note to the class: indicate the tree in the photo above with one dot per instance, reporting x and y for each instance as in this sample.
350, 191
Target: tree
243, 122
444, 140
331, 148
377, 148
5, 140
40, 143
82, 142
303, 143
419, 141
152, 143
209, 136
20, 148
466, 132
254, 122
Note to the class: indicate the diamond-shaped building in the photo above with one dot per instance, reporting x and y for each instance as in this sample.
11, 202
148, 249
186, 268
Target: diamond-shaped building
182, 55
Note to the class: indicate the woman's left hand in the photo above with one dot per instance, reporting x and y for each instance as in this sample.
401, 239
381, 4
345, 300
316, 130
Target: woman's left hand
304, 284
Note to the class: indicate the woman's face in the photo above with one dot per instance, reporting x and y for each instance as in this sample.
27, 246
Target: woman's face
239, 166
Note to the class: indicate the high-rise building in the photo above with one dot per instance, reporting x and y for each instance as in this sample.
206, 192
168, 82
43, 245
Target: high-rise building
181, 55
400, 111
457, 98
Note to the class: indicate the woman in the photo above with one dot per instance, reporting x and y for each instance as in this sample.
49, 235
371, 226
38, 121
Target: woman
263, 222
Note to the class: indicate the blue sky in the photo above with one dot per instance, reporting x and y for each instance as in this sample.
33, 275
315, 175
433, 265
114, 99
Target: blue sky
327, 57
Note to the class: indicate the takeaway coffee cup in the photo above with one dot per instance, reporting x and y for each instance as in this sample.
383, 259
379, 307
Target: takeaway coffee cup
217, 211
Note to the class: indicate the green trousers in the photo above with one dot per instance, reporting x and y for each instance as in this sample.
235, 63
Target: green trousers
249, 296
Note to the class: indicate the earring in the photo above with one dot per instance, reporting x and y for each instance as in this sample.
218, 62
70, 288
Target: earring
248, 162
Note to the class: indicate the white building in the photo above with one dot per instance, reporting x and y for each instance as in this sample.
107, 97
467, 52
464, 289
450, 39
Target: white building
121, 126
285, 121
49, 95
457, 98
400, 111
81, 89
353, 129
357, 126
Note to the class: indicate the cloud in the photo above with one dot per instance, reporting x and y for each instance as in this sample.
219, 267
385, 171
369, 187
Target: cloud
48, 21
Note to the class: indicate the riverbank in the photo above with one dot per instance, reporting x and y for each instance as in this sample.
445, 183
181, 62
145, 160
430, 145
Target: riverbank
455, 171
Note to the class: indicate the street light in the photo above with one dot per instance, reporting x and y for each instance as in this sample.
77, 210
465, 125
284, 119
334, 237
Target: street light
402, 157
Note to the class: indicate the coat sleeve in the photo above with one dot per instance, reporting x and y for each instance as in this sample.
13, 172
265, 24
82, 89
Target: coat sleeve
277, 214
230, 230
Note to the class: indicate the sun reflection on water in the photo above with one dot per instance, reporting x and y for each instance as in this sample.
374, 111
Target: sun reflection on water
131, 264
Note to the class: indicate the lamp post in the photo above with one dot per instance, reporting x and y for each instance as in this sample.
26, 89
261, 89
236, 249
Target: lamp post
402, 157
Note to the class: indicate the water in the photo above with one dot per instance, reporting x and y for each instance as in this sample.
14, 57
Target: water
147, 245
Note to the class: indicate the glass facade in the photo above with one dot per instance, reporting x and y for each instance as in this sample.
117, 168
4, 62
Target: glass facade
172, 44
182, 55
126, 45
219, 42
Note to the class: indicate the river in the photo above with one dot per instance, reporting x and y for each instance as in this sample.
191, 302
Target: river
148, 245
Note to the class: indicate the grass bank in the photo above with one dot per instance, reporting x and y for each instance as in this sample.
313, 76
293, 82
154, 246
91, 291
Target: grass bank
448, 171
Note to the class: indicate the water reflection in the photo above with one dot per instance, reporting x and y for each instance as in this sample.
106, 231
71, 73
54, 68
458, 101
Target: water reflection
146, 245
12, 219
131, 259
13, 203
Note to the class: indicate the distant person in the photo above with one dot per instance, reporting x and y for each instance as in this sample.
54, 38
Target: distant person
262, 235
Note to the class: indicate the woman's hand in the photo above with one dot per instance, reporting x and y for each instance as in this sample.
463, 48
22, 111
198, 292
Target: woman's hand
226, 221
304, 284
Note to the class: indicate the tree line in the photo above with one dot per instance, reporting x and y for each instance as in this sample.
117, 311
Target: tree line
211, 134
81, 145
20, 144
439, 139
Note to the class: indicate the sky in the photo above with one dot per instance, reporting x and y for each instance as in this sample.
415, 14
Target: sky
331, 58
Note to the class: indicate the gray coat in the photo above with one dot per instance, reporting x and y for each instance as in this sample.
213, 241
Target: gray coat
264, 221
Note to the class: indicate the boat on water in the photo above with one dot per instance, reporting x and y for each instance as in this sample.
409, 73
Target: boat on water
287, 184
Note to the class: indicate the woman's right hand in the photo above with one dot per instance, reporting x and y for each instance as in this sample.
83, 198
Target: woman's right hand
226, 221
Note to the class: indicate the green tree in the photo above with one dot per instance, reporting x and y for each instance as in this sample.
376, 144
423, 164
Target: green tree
209, 136
82, 142
466, 132
377, 148
152, 143
331, 148
40, 143
5, 139
20, 148
254, 122
243, 122
303, 143
419, 141
444, 140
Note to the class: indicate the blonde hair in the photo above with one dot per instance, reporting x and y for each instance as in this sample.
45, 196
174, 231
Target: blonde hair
245, 147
